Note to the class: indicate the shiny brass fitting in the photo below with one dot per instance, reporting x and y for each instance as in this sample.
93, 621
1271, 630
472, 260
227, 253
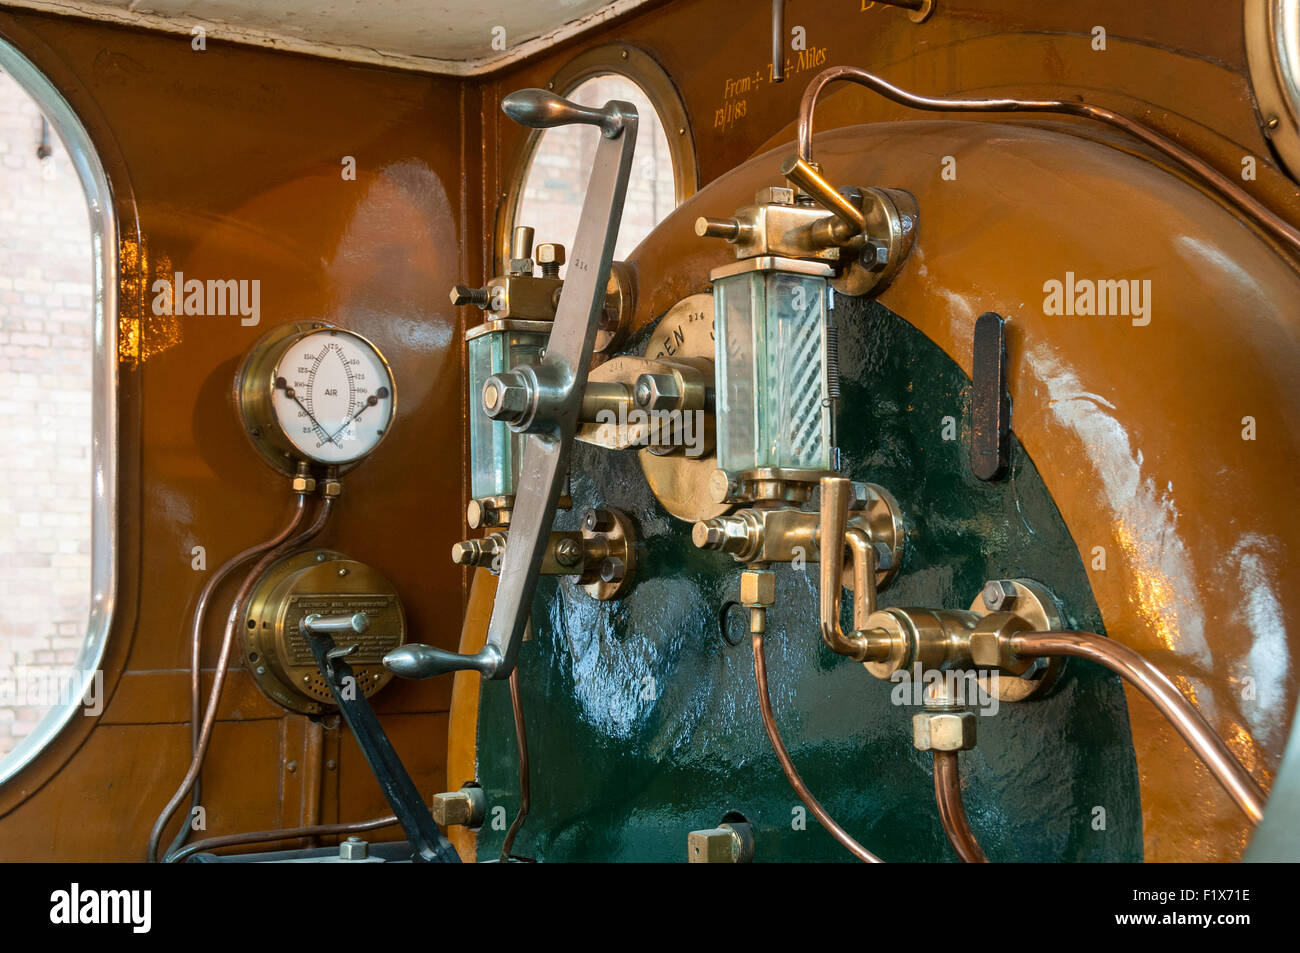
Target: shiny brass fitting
331, 488
731, 843
464, 808
944, 730
304, 484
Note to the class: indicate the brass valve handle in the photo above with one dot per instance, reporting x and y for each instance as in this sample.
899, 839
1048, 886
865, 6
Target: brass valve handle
543, 400
851, 220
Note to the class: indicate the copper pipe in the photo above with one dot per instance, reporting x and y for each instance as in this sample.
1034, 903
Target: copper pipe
196, 638
223, 661
1198, 167
791, 775
1162, 693
521, 737
952, 813
292, 833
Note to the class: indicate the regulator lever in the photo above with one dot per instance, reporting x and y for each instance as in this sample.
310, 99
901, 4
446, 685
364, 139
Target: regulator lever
543, 400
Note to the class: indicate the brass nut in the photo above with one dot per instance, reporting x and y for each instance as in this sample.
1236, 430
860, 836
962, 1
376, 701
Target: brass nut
463, 808
331, 488
990, 643
304, 484
757, 587
944, 731
354, 848
719, 845
549, 253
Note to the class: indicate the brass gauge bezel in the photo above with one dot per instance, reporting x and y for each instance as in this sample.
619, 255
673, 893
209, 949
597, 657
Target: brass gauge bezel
328, 583
253, 390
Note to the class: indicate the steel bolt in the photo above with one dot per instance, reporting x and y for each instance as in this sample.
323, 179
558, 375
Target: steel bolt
568, 552
612, 570
463, 295
505, 396
999, 594
657, 392
598, 521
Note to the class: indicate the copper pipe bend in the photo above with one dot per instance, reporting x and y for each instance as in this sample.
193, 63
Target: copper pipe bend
1162, 693
1234, 194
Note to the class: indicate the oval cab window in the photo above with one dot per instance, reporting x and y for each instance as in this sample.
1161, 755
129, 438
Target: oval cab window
556, 178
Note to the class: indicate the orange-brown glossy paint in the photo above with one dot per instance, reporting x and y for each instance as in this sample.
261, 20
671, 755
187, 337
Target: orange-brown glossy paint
227, 164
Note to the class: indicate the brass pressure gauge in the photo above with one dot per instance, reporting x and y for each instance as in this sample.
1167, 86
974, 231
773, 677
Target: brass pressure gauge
312, 392
326, 583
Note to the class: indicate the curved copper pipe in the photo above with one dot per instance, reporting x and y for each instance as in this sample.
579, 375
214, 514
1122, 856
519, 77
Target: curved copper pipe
1229, 190
521, 737
1162, 693
952, 813
292, 833
791, 775
223, 661
196, 638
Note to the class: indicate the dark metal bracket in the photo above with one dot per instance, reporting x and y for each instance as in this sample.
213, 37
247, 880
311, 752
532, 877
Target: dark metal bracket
399, 790
990, 431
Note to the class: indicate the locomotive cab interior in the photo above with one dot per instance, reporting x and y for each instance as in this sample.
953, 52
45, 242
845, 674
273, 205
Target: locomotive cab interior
651, 431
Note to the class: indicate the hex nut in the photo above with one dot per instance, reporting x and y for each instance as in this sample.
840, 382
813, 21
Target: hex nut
354, 848
331, 488
718, 845
999, 594
657, 392
757, 587
944, 731
549, 253
990, 643
304, 484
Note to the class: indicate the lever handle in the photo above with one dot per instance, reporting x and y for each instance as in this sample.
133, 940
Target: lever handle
539, 109
315, 624
804, 175
424, 661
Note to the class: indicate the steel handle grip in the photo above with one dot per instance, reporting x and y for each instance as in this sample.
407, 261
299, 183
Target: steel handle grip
335, 624
539, 109
425, 661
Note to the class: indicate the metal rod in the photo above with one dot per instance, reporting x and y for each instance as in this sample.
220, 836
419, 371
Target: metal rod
1162, 693
525, 795
1268, 220
219, 678
290, 833
792, 775
778, 41
952, 813
196, 640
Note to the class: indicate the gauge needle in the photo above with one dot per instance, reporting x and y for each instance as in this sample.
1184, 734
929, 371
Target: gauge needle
370, 402
293, 395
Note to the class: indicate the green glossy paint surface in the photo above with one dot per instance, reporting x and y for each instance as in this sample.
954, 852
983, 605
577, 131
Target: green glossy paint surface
643, 724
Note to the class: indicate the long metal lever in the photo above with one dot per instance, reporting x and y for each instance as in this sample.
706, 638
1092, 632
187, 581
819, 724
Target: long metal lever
543, 400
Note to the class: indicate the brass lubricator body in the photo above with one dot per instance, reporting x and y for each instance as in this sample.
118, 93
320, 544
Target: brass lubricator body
326, 583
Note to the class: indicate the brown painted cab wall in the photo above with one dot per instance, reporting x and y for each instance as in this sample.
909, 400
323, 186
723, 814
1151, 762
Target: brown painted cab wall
226, 163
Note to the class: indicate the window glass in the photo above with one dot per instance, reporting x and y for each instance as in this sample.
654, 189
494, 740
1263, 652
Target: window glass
556, 181
49, 304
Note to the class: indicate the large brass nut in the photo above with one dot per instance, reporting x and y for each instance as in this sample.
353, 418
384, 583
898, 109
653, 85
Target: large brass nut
757, 587
944, 731
990, 643
304, 484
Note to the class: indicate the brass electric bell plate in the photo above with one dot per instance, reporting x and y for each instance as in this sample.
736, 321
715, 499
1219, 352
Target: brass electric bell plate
326, 583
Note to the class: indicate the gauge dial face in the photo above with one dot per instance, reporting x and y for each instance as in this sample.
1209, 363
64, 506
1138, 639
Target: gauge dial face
332, 395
